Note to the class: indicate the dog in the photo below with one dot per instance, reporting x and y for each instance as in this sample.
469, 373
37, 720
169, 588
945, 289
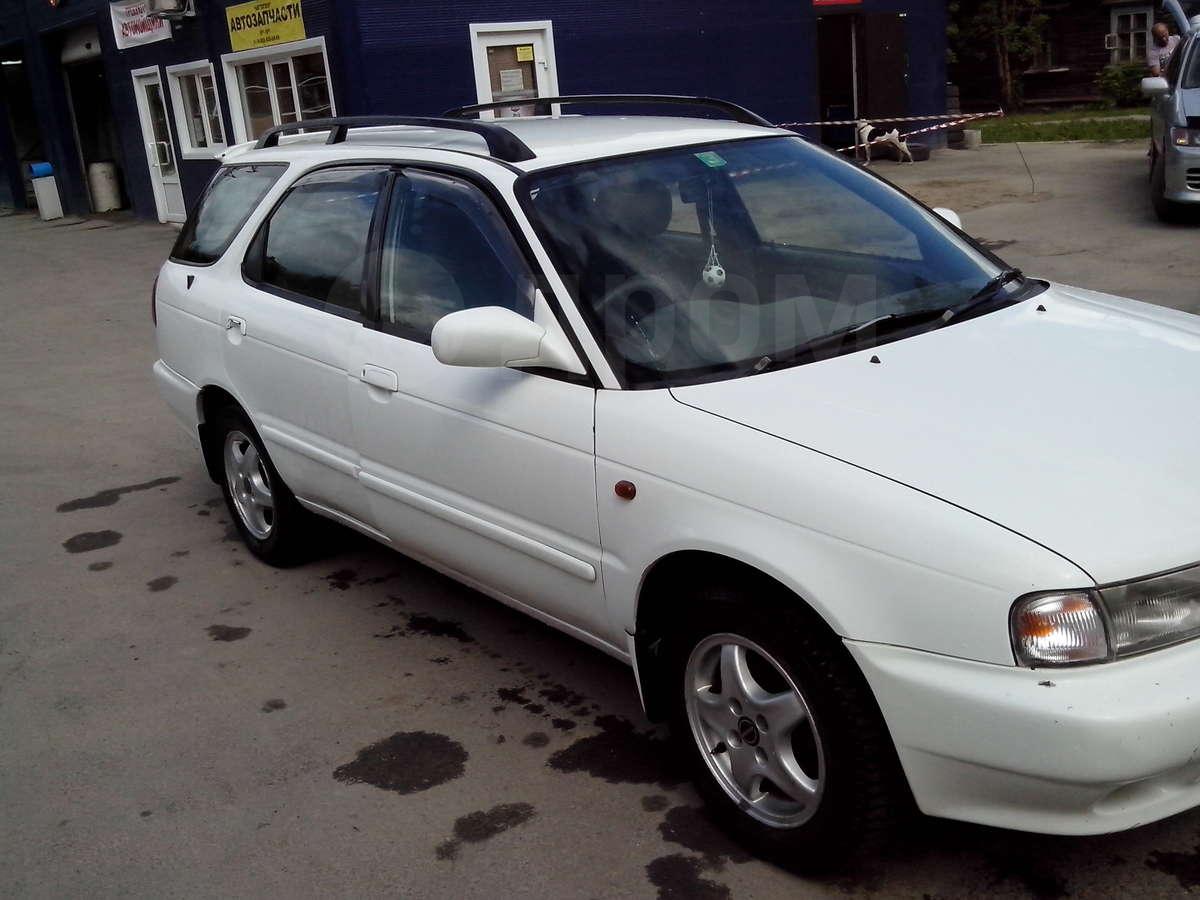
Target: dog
869, 134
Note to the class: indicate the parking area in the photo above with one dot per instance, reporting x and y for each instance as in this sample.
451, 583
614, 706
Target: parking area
177, 719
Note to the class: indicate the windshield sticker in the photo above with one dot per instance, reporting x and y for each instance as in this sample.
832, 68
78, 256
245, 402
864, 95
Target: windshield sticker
710, 158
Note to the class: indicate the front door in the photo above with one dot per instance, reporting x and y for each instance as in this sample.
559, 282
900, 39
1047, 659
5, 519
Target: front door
514, 66
486, 472
160, 147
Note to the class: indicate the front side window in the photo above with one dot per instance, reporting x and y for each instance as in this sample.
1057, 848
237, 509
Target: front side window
708, 262
231, 196
198, 111
315, 243
445, 248
283, 89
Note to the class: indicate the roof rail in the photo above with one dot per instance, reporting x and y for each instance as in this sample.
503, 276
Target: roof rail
502, 144
542, 105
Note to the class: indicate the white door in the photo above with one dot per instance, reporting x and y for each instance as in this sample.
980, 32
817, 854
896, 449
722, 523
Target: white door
160, 147
487, 472
514, 63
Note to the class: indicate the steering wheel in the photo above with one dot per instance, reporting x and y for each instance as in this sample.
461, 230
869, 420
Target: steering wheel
631, 338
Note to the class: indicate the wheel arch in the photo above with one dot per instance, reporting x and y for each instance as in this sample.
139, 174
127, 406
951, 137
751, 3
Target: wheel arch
209, 402
658, 603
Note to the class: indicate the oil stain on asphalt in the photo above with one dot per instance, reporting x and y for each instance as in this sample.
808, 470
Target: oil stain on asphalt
100, 566
484, 825
678, 877
1184, 866
226, 632
161, 583
690, 827
271, 706
619, 754
110, 496
92, 540
406, 762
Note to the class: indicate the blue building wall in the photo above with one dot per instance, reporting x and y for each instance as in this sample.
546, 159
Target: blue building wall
415, 57
760, 53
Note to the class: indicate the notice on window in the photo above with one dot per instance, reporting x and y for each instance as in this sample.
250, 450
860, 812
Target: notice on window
511, 81
264, 23
132, 27
525, 53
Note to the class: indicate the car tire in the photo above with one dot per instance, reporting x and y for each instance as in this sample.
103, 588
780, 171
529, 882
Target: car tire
852, 789
271, 522
1166, 210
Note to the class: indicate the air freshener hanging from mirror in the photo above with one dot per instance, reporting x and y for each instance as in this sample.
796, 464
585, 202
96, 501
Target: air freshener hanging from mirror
713, 272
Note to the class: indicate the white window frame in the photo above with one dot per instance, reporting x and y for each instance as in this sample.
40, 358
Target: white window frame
175, 74
1118, 11
483, 84
278, 53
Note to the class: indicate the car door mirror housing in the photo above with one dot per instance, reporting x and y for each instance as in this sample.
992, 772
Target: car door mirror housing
1154, 87
949, 215
493, 337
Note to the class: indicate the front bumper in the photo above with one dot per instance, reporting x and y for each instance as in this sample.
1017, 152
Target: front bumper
1182, 174
1085, 750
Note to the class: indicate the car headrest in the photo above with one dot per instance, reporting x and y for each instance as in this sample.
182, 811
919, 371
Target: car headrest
641, 208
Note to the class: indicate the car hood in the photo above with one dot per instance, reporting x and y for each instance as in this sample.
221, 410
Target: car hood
1075, 426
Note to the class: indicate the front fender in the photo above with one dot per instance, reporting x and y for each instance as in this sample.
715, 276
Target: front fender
878, 561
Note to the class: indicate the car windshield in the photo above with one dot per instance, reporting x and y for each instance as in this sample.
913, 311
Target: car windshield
1191, 75
699, 263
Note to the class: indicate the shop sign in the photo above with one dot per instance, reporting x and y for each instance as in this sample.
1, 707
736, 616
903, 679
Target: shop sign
264, 23
132, 27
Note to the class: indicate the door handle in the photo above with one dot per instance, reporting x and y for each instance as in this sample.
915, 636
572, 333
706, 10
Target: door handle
235, 322
384, 379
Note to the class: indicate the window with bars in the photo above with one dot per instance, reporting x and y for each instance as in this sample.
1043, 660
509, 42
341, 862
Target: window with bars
1131, 33
282, 89
197, 109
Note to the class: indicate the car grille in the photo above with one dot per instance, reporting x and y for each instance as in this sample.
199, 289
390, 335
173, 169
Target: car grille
1193, 179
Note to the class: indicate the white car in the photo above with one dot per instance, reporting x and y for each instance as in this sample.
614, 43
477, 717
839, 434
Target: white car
872, 516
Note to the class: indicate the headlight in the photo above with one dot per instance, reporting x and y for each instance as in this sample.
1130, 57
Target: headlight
1154, 612
1058, 629
1061, 628
1185, 137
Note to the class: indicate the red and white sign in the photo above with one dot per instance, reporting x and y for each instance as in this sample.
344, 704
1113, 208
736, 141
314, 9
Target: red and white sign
132, 27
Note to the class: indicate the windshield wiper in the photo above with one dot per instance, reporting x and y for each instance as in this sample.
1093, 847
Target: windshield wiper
985, 294
875, 327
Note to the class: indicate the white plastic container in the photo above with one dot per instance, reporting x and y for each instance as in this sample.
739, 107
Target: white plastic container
45, 190
102, 182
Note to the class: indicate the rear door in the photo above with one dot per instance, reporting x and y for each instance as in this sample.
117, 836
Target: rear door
291, 326
489, 472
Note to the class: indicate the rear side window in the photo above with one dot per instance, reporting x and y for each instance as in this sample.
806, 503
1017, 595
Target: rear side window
315, 242
224, 208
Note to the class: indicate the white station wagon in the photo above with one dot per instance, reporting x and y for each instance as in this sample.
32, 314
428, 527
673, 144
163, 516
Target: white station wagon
873, 516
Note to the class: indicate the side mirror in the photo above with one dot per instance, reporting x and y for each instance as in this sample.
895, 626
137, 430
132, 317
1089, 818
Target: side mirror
493, 337
949, 215
1155, 87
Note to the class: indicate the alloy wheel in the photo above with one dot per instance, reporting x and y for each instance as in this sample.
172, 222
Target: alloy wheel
249, 485
754, 730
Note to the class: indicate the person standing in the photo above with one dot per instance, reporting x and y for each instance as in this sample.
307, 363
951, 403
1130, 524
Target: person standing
1162, 45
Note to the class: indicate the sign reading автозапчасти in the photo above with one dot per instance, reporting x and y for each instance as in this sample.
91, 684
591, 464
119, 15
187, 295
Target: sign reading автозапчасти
264, 23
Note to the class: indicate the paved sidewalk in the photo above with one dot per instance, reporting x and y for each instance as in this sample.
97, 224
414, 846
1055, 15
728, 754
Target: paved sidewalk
178, 720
